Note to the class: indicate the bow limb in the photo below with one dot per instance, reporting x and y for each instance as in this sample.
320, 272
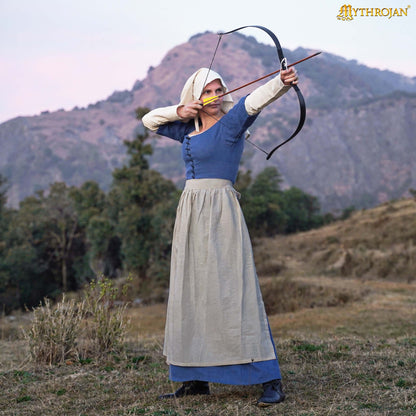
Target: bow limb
283, 65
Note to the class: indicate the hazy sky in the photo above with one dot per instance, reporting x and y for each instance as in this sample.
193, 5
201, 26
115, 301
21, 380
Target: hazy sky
65, 53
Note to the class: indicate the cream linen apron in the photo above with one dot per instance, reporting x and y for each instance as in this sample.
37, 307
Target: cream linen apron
215, 312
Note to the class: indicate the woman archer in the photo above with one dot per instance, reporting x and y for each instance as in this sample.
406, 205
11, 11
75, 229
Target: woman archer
216, 325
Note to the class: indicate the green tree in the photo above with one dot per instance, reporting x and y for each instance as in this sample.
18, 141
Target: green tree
142, 204
89, 201
42, 245
301, 209
244, 180
8, 293
63, 231
104, 246
3, 194
262, 204
102, 254
269, 211
3, 213
27, 258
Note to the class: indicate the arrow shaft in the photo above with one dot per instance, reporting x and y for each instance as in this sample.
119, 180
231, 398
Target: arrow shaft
211, 99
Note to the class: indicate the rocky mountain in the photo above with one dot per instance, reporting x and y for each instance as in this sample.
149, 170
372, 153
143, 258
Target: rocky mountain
357, 146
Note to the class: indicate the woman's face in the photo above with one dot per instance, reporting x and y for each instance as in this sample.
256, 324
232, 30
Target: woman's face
212, 89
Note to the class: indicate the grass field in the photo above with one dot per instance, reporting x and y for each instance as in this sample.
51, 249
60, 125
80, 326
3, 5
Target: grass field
345, 331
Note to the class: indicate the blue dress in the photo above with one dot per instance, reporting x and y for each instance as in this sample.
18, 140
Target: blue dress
216, 153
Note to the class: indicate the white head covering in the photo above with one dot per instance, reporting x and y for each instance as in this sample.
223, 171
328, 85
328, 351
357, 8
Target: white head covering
195, 85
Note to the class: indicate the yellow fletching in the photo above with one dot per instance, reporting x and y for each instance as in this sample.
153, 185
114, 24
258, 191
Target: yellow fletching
209, 100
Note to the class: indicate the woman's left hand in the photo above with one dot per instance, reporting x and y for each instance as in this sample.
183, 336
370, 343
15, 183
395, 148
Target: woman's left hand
289, 76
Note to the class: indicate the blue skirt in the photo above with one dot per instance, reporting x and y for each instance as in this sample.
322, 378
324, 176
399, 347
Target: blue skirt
238, 374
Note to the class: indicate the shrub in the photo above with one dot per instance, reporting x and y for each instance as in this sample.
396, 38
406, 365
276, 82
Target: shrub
73, 329
105, 328
54, 331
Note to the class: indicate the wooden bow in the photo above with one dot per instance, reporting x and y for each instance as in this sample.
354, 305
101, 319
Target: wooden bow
283, 66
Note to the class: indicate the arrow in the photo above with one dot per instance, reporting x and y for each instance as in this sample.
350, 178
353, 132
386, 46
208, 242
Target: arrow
211, 99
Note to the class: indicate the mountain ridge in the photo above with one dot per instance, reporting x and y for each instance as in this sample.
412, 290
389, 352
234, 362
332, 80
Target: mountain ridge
357, 118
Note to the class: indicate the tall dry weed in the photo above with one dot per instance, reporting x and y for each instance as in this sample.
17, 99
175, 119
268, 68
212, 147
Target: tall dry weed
106, 326
52, 337
71, 329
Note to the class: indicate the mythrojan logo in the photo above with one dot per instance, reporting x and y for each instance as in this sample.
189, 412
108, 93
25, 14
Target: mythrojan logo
347, 12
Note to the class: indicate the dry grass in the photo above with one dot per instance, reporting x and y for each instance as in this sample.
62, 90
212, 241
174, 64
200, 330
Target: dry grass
372, 244
357, 359
54, 330
346, 342
78, 329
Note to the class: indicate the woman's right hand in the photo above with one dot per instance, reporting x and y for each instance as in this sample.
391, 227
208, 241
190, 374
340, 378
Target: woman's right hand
189, 110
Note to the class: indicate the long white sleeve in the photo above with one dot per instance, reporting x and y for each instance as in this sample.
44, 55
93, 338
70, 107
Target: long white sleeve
159, 116
264, 95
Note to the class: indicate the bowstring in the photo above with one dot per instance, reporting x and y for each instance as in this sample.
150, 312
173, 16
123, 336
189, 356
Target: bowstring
257, 146
220, 35
212, 61
218, 120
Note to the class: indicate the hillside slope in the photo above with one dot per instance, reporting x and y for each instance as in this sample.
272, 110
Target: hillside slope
377, 243
348, 262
